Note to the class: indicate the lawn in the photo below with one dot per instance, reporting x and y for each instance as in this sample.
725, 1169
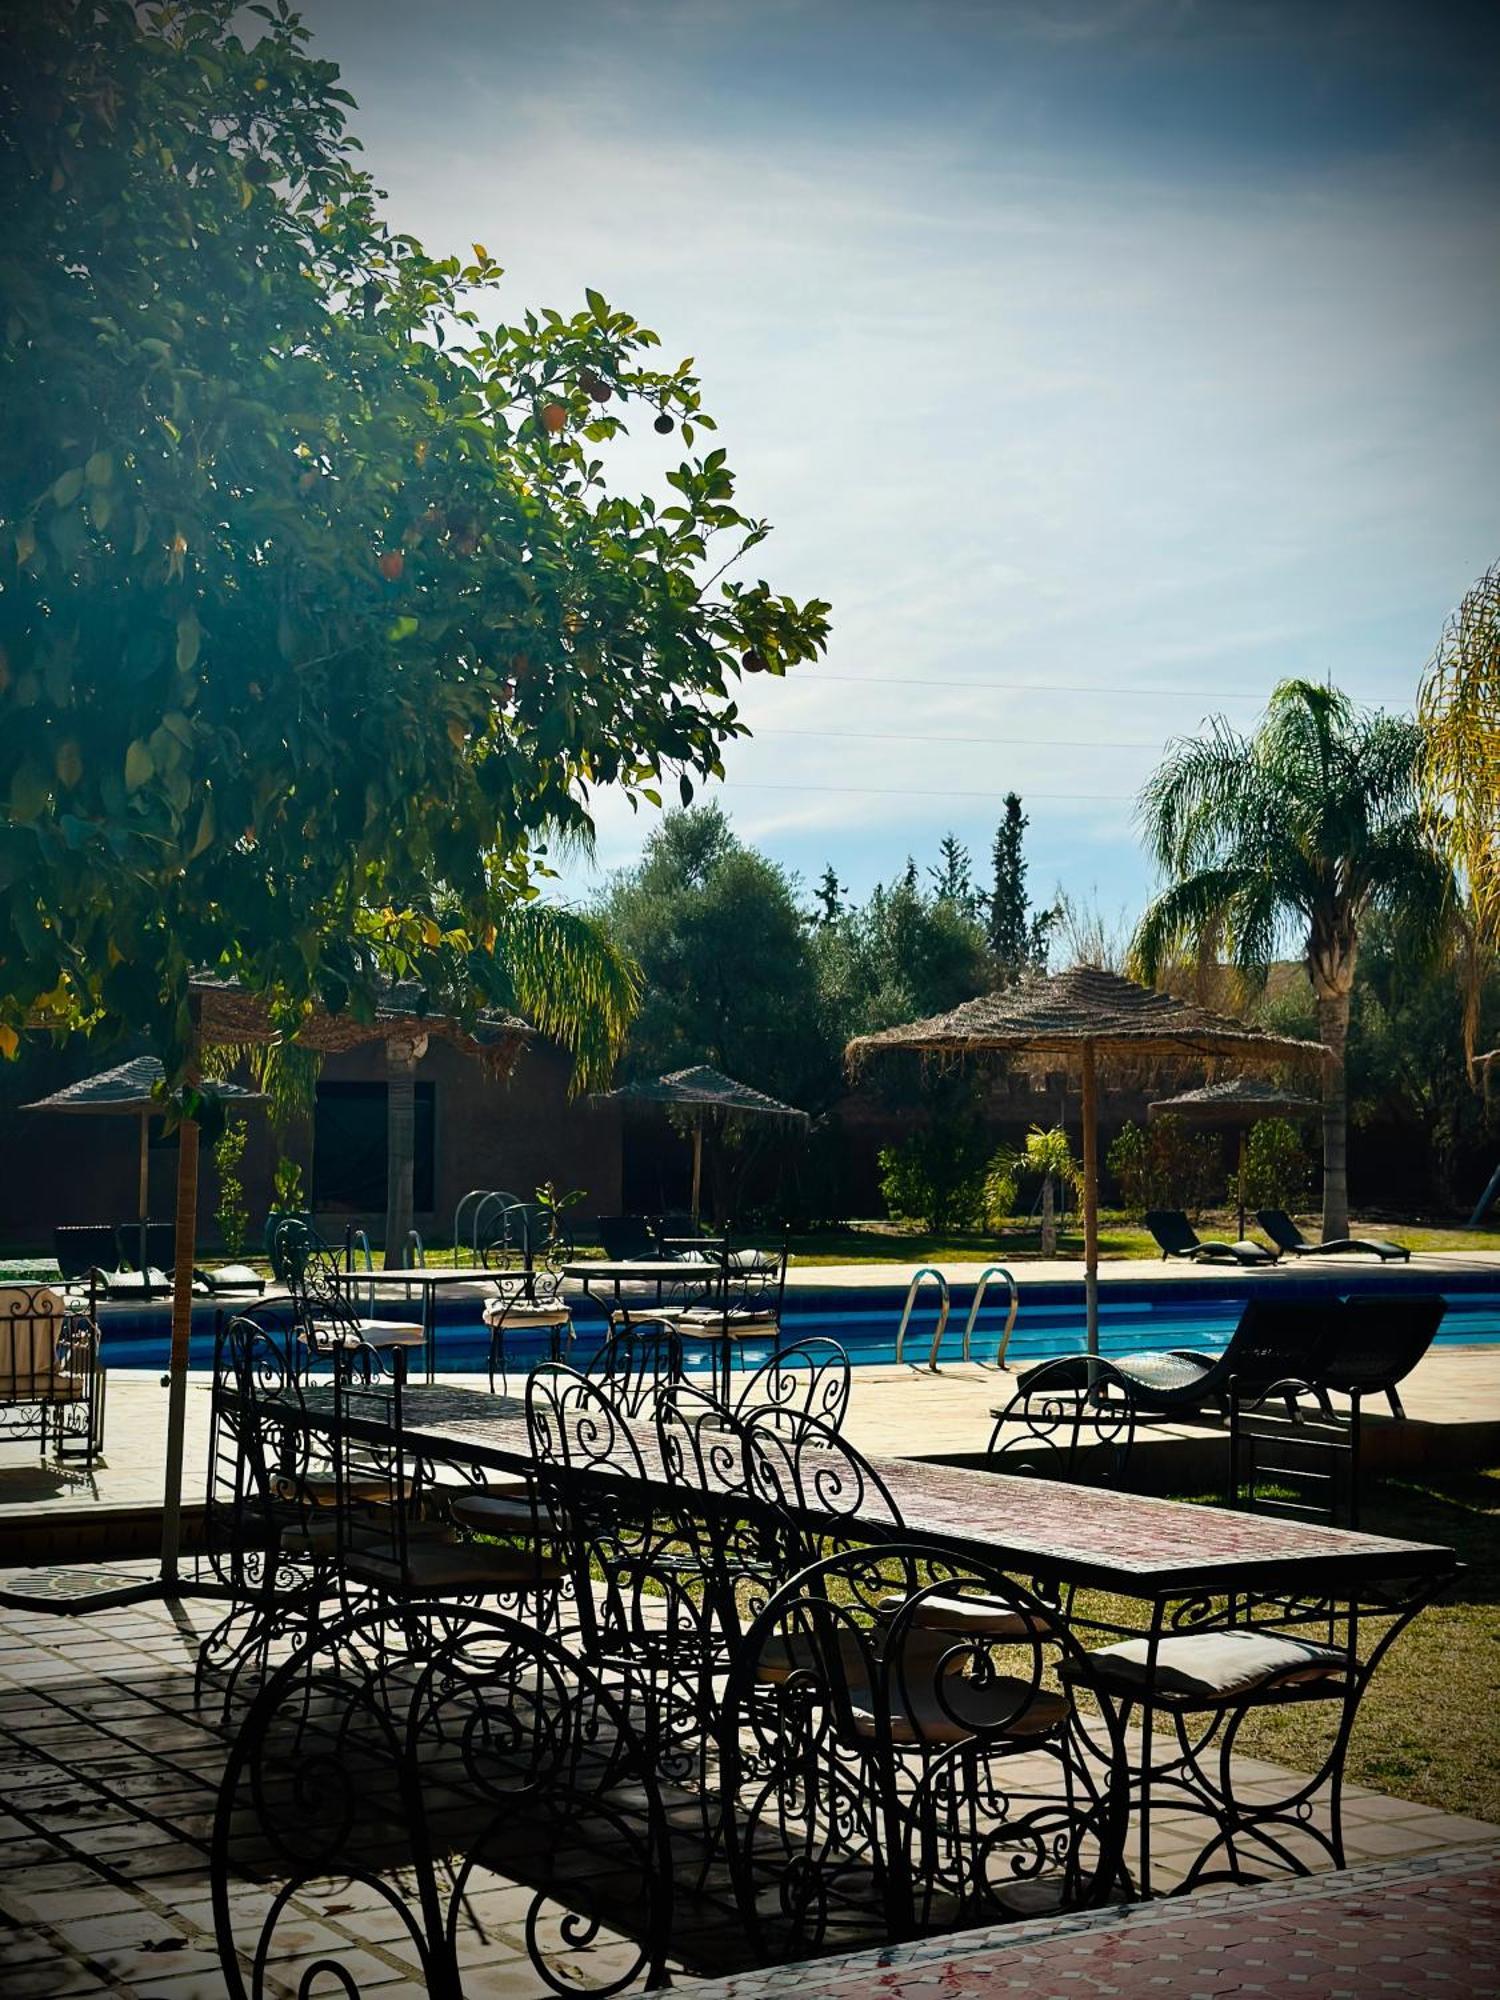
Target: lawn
1427, 1728
1119, 1239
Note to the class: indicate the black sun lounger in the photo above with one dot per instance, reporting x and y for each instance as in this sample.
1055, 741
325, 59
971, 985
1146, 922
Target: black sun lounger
1378, 1338
1176, 1237
1277, 1340
1289, 1239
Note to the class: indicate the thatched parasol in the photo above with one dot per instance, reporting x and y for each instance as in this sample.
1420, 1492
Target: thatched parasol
1236, 1102
702, 1090
129, 1090
1080, 1016
229, 1012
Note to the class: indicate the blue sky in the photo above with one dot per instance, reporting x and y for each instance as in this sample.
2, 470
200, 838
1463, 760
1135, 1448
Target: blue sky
1102, 361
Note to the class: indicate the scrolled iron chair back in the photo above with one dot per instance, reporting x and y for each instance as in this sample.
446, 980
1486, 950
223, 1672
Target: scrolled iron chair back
870, 1697
808, 1378
1058, 1425
639, 1356
816, 1479
501, 1761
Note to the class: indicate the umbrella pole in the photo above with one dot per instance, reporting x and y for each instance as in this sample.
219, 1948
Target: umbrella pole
182, 1326
143, 1192
1240, 1186
1091, 1196
697, 1165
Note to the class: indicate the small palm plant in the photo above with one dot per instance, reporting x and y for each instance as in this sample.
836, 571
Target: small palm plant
1046, 1152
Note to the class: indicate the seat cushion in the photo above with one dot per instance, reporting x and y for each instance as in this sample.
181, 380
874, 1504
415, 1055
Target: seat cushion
495, 1513
742, 1321
952, 1709
976, 1617
500, 1312
1217, 1667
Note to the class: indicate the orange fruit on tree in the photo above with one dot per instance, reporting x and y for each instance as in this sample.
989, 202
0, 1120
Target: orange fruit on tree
554, 416
391, 564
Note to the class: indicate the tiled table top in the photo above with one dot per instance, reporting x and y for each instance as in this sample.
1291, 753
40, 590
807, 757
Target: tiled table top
1428, 1925
1125, 1541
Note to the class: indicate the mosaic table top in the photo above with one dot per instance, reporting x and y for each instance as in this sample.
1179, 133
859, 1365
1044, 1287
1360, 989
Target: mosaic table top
1418, 1926
1128, 1542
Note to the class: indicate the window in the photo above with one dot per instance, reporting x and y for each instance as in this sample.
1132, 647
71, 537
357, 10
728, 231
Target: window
349, 1160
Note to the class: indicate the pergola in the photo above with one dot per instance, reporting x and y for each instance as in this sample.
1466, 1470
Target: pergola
1079, 1018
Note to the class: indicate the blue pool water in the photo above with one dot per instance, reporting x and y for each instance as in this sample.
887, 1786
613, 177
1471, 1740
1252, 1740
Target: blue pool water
1132, 1315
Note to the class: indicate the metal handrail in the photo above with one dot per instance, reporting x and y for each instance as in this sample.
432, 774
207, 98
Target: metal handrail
992, 1271
360, 1237
474, 1194
913, 1291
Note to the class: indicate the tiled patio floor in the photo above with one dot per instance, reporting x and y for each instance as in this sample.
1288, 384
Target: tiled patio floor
1427, 1927
108, 1779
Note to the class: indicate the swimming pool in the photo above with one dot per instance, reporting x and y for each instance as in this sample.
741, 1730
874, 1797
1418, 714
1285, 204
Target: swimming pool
1133, 1314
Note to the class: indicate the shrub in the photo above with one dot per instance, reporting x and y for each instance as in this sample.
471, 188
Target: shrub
1278, 1169
936, 1176
232, 1213
1166, 1165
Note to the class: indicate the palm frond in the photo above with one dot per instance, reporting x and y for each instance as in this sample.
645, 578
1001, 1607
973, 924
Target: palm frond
571, 981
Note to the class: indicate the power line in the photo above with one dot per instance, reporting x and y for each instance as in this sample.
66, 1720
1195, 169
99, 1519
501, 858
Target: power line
984, 742
916, 792
1030, 687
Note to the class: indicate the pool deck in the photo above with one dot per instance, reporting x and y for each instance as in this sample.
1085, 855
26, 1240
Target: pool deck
51, 1512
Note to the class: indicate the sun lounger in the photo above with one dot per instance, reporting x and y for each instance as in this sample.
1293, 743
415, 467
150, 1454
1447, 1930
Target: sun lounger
1276, 1339
1290, 1241
1377, 1340
1176, 1237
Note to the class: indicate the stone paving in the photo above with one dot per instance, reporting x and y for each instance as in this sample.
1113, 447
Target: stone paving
108, 1779
892, 1412
1414, 1927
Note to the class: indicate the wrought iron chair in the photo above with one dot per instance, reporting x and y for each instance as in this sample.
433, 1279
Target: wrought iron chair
1303, 1467
498, 1768
807, 1378
750, 1294
640, 1356
819, 1484
1058, 1425
645, 1567
881, 1776
325, 1311
269, 1535
52, 1378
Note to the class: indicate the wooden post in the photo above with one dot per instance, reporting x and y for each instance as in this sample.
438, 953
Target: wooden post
1091, 1196
182, 1327
697, 1164
143, 1192
402, 1054
1244, 1136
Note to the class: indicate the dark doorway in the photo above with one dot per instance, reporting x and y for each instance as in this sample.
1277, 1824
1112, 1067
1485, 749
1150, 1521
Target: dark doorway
349, 1160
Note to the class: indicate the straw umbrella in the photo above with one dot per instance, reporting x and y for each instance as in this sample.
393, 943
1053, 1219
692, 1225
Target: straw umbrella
1235, 1102
131, 1089
1078, 1017
701, 1091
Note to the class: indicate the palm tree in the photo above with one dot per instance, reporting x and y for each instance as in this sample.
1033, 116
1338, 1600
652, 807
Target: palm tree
569, 979
1459, 710
1302, 829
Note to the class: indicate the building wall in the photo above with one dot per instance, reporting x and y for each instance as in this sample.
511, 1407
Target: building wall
511, 1134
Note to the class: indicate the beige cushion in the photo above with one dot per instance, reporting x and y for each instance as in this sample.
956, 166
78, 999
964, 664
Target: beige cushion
1002, 1706
1217, 1666
710, 1319
499, 1312
30, 1323
974, 1616
372, 1332
495, 1513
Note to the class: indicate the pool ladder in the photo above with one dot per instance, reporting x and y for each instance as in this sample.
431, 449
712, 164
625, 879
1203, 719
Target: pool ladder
928, 1273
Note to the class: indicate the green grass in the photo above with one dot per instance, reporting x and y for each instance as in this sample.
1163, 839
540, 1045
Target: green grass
1427, 1726
1119, 1239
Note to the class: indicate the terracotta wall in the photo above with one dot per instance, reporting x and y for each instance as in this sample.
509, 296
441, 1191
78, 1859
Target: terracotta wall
512, 1134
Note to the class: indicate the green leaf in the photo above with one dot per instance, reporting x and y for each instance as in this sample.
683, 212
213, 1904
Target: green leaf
67, 489
597, 306
140, 765
100, 469
189, 637
401, 628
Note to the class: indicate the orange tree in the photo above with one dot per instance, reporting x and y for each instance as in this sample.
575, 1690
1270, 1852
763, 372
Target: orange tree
318, 616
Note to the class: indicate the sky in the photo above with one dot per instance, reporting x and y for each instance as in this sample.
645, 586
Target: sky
1102, 361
